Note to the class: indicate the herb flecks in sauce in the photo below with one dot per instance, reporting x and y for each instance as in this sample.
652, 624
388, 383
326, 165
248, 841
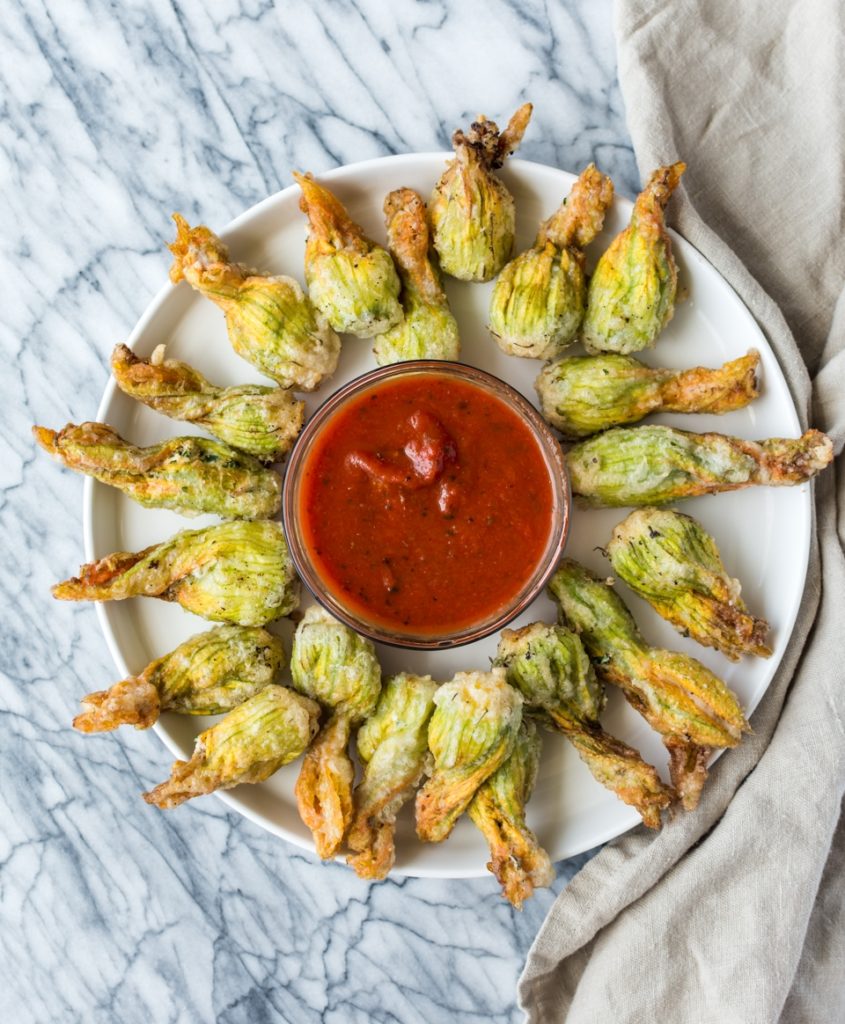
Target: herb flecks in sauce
426, 503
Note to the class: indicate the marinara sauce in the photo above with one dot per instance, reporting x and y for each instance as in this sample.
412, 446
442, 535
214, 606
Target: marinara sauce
425, 504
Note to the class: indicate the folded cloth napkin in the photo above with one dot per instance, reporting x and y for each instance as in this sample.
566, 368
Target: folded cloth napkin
736, 913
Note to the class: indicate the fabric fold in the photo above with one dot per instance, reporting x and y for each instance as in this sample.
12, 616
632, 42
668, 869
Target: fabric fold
713, 919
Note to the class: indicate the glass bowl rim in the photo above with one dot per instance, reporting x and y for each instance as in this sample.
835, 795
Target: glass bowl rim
561, 503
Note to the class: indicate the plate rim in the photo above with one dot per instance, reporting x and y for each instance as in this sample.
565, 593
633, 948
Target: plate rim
628, 817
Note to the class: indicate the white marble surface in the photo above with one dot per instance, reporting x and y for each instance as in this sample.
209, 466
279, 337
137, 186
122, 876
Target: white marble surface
113, 116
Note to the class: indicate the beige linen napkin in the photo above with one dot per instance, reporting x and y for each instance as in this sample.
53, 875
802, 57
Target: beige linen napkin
736, 913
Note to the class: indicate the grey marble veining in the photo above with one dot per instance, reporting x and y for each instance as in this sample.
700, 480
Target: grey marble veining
112, 116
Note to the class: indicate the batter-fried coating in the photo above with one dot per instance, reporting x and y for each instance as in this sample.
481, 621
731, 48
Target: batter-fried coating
324, 786
191, 475
249, 744
552, 671
690, 707
351, 279
498, 809
254, 418
549, 666
237, 572
539, 298
271, 322
333, 664
207, 675
472, 212
671, 561
428, 330
653, 465
393, 746
471, 733
631, 296
622, 770
583, 395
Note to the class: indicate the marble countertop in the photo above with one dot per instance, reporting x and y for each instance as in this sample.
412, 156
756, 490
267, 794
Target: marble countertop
113, 116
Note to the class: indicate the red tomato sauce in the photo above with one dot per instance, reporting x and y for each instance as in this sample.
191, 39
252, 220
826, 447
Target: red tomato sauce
425, 505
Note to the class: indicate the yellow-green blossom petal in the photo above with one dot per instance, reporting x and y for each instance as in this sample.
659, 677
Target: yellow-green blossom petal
207, 675
549, 666
583, 395
187, 474
472, 212
471, 733
333, 664
237, 572
655, 465
551, 669
254, 418
271, 322
539, 298
249, 744
350, 278
428, 330
393, 745
680, 698
671, 561
518, 861
632, 292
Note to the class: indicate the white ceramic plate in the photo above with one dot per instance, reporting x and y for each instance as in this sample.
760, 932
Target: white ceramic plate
763, 533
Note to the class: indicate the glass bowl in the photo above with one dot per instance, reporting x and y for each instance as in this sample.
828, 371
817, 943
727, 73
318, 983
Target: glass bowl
505, 613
